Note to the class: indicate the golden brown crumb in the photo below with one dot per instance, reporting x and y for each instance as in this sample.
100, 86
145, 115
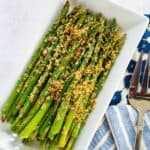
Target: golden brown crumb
67, 28
108, 65
57, 62
77, 33
79, 110
77, 53
78, 74
44, 52
66, 44
56, 89
56, 54
50, 39
92, 104
113, 55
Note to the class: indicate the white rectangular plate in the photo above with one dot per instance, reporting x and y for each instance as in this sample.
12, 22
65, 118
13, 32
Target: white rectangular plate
22, 26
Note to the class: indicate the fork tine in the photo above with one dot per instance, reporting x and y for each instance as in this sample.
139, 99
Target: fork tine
135, 77
145, 77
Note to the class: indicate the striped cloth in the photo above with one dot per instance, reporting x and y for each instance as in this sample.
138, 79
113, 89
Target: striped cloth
117, 130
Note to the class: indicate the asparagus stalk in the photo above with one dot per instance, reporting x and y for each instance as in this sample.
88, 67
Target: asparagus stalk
71, 19
66, 83
56, 127
11, 99
44, 129
84, 97
32, 80
34, 77
44, 145
42, 96
72, 139
70, 133
99, 85
73, 125
72, 112
44, 125
87, 89
53, 144
36, 74
56, 75
38, 87
62, 15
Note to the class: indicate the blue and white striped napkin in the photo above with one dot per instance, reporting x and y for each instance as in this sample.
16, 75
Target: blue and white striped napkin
118, 130
118, 127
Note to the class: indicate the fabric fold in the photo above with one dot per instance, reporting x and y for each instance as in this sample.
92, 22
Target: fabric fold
118, 130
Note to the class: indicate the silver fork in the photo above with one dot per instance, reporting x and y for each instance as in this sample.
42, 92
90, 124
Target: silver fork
140, 100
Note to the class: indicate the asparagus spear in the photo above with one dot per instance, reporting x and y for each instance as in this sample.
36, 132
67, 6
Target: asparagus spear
35, 76
53, 144
72, 139
31, 99
23, 94
38, 87
73, 125
87, 88
37, 118
71, 114
44, 125
43, 94
44, 129
56, 127
69, 121
55, 24
64, 137
99, 85
44, 145
31, 65
84, 97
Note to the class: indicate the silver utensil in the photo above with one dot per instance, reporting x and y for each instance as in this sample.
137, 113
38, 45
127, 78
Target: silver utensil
140, 98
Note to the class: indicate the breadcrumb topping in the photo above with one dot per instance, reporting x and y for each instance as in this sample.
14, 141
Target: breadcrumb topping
56, 89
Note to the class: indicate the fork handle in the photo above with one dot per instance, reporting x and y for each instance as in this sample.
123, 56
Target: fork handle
139, 129
138, 137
